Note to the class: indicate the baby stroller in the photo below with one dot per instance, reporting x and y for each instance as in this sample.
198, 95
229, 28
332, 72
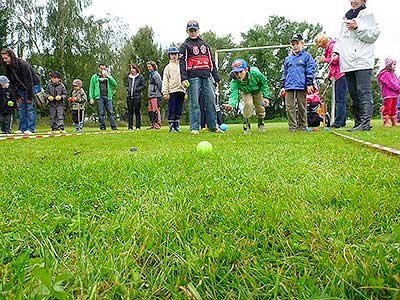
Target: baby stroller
316, 110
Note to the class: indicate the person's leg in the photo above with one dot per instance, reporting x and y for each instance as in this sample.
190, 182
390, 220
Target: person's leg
355, 102
100, 107
340, 92
260, 110
194, 109
60, 117
179, 100
75, 120
363, 81
130, 105
21, 109
202, 106
291, 110
172, 101
386, 112
302, 109
30, 115
209, 101
137, 105
158, 122
393, 114
53, 117
3, 123
153, 112
110, 113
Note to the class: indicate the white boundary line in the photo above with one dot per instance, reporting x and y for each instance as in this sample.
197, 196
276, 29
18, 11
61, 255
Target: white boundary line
377, 146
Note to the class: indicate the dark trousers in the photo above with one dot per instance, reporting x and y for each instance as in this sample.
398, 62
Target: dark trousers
5, 121
56, 117
340, 93
77, 117
134, 105
175, 106
359, 84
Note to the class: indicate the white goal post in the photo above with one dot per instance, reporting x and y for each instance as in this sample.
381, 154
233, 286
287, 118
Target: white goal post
275, 47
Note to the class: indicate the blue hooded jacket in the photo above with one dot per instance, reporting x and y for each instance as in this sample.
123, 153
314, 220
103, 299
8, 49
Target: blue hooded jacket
298, 71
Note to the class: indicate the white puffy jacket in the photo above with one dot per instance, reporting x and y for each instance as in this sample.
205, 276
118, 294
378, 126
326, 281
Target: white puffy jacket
356, 47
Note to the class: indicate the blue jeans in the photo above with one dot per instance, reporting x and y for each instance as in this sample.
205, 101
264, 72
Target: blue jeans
105, 103
26, 110
204, 84
340, 92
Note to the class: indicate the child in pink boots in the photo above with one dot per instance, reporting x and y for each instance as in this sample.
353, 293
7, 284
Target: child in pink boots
390, 86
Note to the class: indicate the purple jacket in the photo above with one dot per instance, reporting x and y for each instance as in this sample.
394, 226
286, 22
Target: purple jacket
390, 84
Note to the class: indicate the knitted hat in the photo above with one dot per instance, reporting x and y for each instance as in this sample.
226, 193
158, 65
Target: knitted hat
389, 62
77, 82
4, 79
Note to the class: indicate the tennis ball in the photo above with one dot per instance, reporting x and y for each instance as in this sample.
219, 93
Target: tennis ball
204, 147
223, 127
10, 103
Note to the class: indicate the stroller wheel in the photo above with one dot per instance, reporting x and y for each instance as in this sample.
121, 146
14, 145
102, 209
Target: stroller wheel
327, 120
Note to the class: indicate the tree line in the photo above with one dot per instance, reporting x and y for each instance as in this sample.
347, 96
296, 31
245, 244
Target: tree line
57, 35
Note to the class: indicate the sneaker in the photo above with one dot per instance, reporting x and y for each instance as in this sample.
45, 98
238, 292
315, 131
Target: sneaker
18, 132
194, 132
292, 130
130, 129
246, 131
137, 129
28, 132
261, 128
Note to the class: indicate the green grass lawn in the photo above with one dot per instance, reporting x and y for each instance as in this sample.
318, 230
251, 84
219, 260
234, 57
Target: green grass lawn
276, 215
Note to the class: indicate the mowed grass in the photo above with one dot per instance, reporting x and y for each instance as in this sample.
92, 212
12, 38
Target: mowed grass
276, 215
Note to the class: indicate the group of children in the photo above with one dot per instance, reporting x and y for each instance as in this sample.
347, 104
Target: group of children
191, 68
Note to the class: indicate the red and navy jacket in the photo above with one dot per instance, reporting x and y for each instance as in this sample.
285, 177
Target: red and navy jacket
195, 60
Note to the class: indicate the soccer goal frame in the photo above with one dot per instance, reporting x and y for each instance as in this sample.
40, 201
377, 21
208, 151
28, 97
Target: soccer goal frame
276, 47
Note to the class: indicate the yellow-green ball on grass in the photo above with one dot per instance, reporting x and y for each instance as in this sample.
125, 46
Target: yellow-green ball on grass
204, 147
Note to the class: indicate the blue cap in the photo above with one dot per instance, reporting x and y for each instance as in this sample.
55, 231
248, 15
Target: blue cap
238, 65
4, 79
173, 50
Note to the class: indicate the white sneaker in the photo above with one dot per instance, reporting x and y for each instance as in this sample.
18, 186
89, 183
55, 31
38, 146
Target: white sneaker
28, 132
194, 132
261, 128
246, 131
18, 132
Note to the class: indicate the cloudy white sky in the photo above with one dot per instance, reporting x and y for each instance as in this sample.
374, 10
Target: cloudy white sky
169, 18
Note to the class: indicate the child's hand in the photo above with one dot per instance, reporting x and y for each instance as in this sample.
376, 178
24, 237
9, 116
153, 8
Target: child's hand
227, 107
58, 98
70, 99
310, 89
166, 97
265, 102
50, 98
75, 99
91, 101
186, 84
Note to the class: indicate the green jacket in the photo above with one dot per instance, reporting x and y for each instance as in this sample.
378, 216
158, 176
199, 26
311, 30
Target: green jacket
255, 83
94, 89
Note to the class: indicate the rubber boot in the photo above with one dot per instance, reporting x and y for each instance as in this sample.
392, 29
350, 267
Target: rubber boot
394, 120
385, 121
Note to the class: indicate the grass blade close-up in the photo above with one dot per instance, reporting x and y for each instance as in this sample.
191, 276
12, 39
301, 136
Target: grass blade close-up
273, 215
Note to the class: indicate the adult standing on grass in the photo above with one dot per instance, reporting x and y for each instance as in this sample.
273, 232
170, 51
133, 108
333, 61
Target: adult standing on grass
355, 46
196, 67
26, 84
324, 42
100, 89
134, 98
154, 94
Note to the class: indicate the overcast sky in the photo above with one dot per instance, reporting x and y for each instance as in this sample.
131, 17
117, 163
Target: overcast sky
168, 18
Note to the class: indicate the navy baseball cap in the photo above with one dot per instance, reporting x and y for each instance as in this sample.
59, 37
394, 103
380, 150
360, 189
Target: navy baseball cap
296, 37
192, 25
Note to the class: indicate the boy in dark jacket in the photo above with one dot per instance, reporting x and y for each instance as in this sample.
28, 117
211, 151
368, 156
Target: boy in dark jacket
7, 104
297, 81
56, 94
196, 67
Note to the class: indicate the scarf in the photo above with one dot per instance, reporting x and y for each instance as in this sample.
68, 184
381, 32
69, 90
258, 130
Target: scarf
352, 14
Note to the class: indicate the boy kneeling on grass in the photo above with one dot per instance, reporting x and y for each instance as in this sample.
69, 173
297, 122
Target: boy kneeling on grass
252, 85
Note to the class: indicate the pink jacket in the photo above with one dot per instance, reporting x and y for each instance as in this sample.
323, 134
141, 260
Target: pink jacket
334, 70
390, 84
